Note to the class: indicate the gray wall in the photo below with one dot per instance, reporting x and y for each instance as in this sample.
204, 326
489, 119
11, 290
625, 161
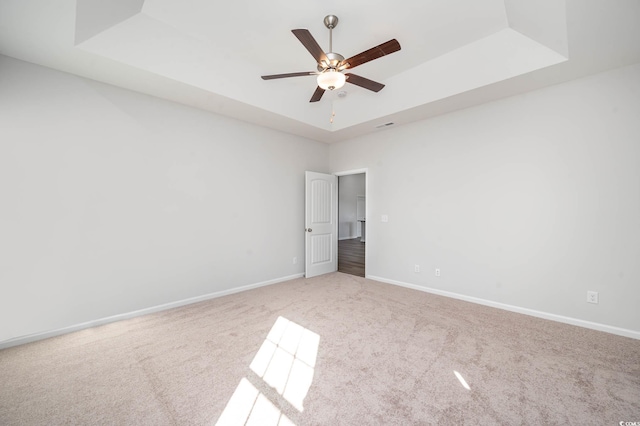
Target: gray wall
529, 201
114, 201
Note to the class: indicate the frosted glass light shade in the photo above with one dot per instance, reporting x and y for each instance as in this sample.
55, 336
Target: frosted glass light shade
331, 80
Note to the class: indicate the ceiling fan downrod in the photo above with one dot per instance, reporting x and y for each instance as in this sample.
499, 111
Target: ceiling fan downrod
331, 21
333, 59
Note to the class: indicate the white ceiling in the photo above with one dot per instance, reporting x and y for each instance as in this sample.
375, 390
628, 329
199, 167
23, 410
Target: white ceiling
210, 54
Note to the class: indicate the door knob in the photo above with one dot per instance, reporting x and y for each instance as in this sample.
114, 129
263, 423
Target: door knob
308, 229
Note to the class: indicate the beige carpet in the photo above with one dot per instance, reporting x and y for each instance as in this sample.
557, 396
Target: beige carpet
332, 350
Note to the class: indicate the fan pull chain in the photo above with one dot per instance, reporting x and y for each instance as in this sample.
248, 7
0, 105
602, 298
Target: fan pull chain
333, 114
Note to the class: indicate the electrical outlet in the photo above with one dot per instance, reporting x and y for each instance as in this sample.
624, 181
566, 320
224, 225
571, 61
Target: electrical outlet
384, 218
295, 260
592, 297
437, 272
416, 268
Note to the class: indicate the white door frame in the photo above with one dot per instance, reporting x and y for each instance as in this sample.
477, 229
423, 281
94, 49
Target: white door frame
366, 207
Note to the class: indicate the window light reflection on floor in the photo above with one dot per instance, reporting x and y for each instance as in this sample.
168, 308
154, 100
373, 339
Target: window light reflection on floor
248, 406
287, 359
462, 380
286, 362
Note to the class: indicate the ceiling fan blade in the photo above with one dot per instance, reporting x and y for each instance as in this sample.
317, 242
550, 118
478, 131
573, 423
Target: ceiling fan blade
371, 54
364, 82
291, 74
312, 45
317, 95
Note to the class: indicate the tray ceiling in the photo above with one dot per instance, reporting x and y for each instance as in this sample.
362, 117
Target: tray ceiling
210, 55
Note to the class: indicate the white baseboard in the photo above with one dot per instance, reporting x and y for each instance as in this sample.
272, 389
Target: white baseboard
545, 315
348, 238
526, 311
52, 333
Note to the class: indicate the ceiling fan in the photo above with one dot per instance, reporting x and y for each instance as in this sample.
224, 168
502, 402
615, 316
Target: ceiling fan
331, 65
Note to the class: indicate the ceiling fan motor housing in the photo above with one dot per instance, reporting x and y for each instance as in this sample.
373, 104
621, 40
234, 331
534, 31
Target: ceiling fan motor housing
334, 60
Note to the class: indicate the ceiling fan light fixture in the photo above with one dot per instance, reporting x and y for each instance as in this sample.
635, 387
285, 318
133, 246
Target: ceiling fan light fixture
331, 79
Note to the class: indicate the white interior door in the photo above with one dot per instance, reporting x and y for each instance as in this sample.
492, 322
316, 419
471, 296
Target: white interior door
321, 224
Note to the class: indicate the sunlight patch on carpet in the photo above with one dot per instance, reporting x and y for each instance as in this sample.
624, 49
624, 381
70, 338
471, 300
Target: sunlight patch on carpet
462, 381
285, 361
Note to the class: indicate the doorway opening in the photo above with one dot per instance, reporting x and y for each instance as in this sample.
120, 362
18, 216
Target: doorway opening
352, 216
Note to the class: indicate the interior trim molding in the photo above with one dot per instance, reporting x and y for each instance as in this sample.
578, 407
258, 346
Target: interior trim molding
21, 340
526, 311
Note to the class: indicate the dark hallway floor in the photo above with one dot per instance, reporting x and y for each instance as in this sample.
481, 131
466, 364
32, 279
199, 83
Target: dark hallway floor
351, 257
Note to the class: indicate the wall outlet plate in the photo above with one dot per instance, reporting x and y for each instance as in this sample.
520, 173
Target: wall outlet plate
592, 297
437, 272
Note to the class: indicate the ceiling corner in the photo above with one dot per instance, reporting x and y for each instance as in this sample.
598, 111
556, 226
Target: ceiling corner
544, 21
95, 16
